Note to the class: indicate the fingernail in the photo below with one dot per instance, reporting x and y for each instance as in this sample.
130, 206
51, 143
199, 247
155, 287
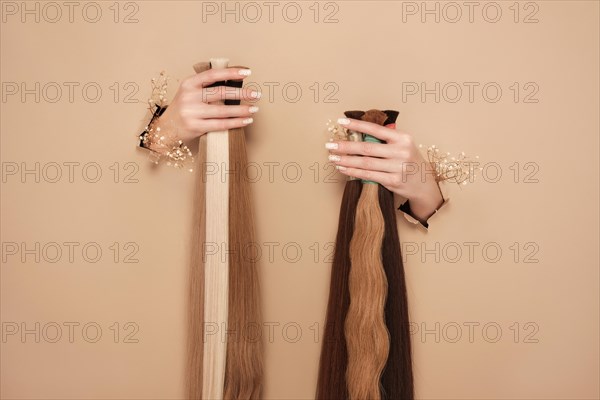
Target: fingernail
244, 72
340, 168
253, 109
331, 146
333, 157
248, 121
343, 121
255, 95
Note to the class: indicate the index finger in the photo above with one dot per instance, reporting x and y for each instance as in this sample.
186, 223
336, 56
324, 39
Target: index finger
380, 132
211, 76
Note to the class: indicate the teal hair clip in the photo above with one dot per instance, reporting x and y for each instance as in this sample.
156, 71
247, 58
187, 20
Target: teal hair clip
372, 139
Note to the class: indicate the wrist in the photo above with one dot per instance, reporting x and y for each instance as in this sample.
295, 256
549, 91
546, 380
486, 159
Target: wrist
424, 205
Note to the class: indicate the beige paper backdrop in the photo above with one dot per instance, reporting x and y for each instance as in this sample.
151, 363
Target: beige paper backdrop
503, 288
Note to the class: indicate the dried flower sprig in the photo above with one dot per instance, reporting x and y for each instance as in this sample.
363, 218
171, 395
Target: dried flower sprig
460, 169
335, 131
158, 96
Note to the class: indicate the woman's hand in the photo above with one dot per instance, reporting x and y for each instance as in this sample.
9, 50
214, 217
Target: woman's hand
397, 165
191, 113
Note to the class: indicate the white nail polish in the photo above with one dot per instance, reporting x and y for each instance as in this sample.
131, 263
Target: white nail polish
331, 146
248, 121
253, 109
333, 157
255, 95
343, 121
244, 72
340, 168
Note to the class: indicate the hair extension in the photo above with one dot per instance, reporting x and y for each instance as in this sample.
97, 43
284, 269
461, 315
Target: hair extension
216, 279
331, 382
195, 340
244, 365
397, 379
224, 294
365, 329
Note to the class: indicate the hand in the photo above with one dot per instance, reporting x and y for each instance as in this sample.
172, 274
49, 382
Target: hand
191, 113
397, 165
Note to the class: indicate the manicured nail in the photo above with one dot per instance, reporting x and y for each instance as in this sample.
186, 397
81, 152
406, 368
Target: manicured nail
340, 168
331, 146
244, 72
333, 157
253, 109
255, 95
248, 121
343, 121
